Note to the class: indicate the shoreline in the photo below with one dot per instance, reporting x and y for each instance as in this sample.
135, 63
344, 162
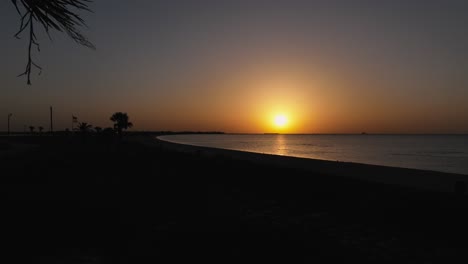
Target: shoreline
142, 199
405, 177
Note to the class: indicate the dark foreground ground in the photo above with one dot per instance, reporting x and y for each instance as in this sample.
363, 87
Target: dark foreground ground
70, 200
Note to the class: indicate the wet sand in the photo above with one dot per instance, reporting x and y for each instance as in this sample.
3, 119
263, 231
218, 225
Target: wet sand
98, 200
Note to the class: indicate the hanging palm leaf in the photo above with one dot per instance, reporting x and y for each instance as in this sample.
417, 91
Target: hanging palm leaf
50, 14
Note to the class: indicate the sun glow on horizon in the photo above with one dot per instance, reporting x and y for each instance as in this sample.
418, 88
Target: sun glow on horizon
280, 121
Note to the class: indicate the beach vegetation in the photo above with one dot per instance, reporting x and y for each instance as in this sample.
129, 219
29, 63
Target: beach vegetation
121, 122
84, 127
58, 15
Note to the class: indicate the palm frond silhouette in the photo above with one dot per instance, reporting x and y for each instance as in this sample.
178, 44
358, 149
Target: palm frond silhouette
50, 14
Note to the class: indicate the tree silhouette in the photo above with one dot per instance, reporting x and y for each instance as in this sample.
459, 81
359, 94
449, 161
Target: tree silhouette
84, 127
31, 128
98, 129
40, 129
51, 14
120, 122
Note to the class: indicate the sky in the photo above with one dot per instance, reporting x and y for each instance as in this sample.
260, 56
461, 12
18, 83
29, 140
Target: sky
234, 66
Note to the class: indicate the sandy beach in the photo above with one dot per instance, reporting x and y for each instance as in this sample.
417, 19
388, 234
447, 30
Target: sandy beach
100, 200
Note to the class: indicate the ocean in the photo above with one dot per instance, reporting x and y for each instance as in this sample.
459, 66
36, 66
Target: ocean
444, 153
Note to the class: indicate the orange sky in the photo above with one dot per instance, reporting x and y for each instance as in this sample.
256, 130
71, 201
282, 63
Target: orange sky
329, 66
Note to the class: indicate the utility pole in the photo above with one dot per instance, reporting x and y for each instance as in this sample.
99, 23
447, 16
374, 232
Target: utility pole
51, 122
9, 116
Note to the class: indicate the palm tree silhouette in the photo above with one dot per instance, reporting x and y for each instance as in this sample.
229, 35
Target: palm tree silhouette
31, 128
120, 122
40, 129
59, 15
84, 127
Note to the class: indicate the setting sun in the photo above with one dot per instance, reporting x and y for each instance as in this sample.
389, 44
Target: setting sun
280, 120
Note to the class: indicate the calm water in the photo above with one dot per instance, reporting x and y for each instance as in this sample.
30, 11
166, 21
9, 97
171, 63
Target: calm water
446, 153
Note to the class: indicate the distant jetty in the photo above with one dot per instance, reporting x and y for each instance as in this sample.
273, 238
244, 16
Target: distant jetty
271, 133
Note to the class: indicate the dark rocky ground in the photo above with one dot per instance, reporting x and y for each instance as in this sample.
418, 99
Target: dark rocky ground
98, 200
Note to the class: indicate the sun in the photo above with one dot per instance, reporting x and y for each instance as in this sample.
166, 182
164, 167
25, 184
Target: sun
280, 120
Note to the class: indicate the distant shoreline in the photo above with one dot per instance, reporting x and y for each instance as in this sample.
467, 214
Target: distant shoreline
168, 132
413, 178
